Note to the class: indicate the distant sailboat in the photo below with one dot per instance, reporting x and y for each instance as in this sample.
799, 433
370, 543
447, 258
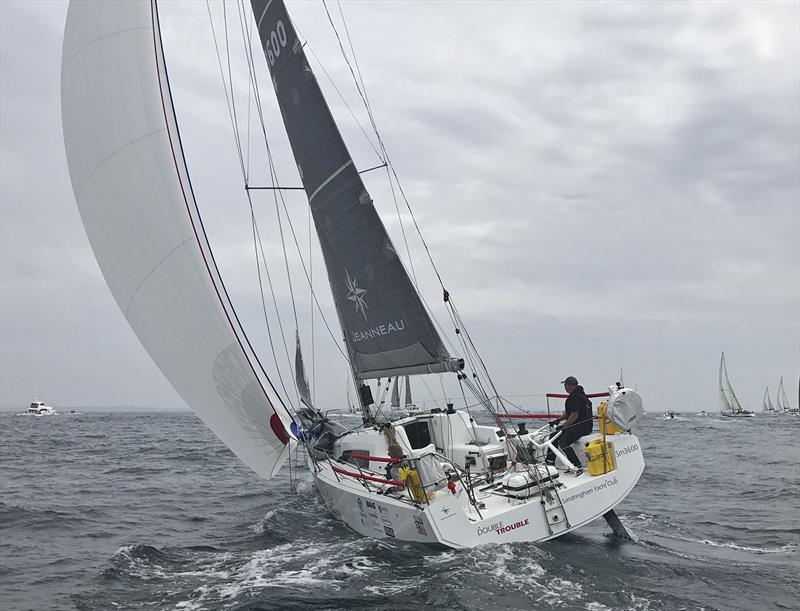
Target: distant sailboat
409, 402
398, 410
395, 396
729, 403
768, 407
783, 401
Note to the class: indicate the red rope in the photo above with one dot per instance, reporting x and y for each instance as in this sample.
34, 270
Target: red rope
556, 395
375, 458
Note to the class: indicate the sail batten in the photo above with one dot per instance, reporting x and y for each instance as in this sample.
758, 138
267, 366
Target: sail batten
134, 195
387, 330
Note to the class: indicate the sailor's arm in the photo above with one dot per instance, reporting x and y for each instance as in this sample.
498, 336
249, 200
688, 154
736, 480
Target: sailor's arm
570, 419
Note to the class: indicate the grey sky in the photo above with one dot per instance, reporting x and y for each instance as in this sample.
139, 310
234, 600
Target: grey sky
601, 185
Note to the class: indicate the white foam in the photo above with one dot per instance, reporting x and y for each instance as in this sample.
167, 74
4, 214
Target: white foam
745, 548
260, 526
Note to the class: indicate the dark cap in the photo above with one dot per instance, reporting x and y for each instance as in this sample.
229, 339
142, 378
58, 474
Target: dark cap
570, 380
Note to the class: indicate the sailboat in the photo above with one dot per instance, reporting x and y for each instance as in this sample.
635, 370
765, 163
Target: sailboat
409, 402
783, 401
729, 403
767, 406
407, 408
436, 477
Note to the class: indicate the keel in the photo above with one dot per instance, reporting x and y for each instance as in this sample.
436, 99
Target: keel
617, 526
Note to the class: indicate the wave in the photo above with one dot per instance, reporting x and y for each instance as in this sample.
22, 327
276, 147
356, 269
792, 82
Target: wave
788, 547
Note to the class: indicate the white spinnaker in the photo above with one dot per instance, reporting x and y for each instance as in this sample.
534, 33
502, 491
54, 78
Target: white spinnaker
135, 199
724, 404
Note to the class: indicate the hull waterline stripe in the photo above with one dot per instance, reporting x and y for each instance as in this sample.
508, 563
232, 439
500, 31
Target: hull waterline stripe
330, 178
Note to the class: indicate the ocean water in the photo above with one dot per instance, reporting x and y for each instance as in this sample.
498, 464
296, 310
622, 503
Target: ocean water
150, 511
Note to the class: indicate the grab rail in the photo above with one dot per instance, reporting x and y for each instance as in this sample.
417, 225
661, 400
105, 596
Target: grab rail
561, 395
375, 458
392, 482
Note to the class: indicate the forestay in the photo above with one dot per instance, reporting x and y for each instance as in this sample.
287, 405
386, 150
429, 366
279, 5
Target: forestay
135, 199
387, 329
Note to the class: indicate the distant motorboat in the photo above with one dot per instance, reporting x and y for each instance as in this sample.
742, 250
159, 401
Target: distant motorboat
668, 415
729, 404
703, 413
39, 408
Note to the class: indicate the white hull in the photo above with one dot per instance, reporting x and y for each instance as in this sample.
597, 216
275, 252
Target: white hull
449, 519
38, 409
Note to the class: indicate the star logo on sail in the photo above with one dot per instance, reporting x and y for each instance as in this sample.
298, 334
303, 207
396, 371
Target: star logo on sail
356, 294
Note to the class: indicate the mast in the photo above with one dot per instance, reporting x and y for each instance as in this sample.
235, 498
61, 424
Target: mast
387, 330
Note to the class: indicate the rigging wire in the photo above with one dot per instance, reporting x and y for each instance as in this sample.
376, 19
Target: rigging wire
306, 45
311, 286
230, 100
273, 175
361, 88
365, 97
468, 346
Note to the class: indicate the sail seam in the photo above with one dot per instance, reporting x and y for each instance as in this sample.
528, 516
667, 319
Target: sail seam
152, 269
107, 159
329, 179
96, 40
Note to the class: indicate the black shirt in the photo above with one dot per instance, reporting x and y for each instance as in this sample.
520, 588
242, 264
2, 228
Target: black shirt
578, 403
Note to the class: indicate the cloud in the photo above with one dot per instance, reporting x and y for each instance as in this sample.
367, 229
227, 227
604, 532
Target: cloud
600, 185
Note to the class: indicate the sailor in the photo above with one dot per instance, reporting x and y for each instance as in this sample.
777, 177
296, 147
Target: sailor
577, 419
392, 468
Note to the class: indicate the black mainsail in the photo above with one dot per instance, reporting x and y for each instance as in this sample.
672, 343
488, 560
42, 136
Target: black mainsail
387, 330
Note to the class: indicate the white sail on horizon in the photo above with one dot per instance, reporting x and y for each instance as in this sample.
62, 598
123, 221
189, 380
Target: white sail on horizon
728, 400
